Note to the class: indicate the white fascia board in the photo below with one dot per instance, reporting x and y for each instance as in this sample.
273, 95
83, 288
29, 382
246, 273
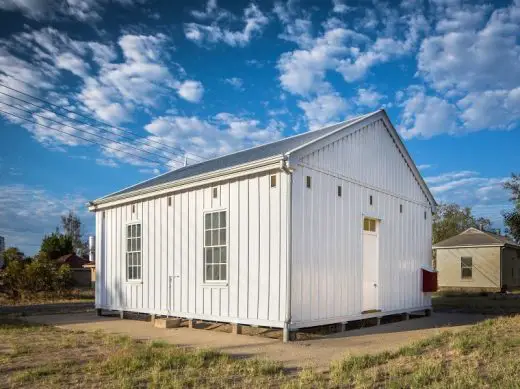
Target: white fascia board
467, 246
271, 163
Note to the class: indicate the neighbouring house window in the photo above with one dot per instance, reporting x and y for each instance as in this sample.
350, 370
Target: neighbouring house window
400, 208
308, 181
133, 208
215, 192
369, 224
133, 252
339, 190
466, 267
273, 181
371, 200
215, 246
169, 201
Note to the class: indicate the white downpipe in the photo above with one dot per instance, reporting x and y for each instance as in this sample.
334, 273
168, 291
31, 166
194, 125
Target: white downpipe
288, 276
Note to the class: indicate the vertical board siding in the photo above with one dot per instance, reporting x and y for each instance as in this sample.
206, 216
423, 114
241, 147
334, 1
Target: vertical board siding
327, 260
370, 156
172, 253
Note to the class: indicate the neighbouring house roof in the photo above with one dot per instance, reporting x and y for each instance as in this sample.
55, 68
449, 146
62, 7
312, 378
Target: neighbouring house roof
475, 237
280, 148
74, 261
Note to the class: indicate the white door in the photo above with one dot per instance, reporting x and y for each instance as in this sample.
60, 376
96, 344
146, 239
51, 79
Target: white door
370, 265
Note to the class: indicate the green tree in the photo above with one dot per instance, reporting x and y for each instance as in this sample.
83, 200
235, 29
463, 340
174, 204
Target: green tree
12, 254
71, 225
22, 278
57, 245
451, 219
512, 218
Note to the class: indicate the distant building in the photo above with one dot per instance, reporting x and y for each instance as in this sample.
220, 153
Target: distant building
477, 260
80, 275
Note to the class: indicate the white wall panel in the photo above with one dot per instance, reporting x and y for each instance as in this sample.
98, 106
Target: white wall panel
172, 254
327, 269
369, 156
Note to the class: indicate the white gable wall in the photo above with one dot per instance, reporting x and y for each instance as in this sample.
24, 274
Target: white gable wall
172, 254
327, 267
369, 156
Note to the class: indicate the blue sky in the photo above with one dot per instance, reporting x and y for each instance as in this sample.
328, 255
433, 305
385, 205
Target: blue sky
206, 78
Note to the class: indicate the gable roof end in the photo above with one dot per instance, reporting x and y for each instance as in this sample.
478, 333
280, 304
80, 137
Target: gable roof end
473, 237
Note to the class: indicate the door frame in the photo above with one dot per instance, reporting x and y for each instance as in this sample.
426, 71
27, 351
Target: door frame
378, 221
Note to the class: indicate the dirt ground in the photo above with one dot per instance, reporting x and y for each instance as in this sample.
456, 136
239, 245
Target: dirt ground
316, 353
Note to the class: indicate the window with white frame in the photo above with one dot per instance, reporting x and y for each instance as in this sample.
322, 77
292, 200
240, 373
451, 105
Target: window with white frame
215, 246
133, 252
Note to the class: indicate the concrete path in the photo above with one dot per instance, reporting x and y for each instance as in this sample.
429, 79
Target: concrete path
317, 353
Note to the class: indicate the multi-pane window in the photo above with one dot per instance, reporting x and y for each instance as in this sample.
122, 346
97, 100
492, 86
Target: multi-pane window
369, 225
466, 267
133, 252
215, 246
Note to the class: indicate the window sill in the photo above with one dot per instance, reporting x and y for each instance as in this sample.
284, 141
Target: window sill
215, 285
134, 282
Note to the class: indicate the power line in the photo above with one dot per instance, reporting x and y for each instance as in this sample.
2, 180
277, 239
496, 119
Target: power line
79, 137
88, 124
86, 116
86, 132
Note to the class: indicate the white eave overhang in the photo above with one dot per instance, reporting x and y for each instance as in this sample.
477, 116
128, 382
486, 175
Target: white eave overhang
271, 163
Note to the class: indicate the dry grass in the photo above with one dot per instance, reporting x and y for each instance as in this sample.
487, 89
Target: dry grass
484, 355
41, 356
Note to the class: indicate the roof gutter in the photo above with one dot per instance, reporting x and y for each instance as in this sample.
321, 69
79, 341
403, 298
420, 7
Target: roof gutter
469, 246
270, 163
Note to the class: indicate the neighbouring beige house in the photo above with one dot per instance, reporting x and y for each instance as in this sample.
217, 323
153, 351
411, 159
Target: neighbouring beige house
476, 260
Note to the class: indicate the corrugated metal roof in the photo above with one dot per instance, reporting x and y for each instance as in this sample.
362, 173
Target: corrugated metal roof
279, 147
474, 237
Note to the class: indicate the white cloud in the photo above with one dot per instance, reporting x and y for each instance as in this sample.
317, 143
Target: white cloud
368, 97
486, 195
191, 90
212, 11
106, 162
382, 50
235, 82
324, 110
72, 63
303, 71
82, 10
470, 63
450, 176
426, 116
113, 90
340, 6
221, 134
492, 109
424, 166
253, 19
28, 213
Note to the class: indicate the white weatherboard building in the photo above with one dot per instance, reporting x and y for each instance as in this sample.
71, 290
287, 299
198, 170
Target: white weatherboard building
324, 227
